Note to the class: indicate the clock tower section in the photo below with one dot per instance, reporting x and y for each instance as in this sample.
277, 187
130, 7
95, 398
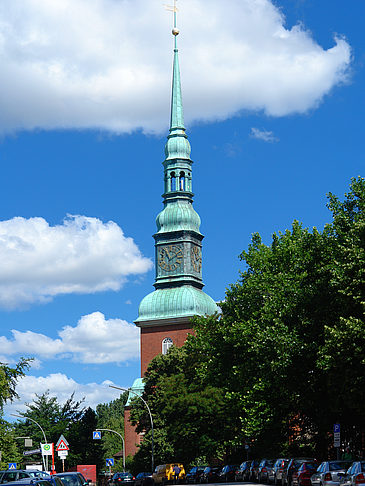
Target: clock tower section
164, 315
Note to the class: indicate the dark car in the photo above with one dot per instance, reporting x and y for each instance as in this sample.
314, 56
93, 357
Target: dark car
194, 475
302, 477
143, 479
262, 474
293, 465
72, 479
277, 471
253, 470
355, 474
227, 473
121, 478
242, 473
210, 474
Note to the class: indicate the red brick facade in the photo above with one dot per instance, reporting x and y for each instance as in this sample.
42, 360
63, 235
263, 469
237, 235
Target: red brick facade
151, 345
132, 440
152, 337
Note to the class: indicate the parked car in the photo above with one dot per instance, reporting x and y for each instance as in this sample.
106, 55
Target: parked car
143, 479
72, 479
302, 477
293, 465
329, 473
210, 474
30, 482
277, 471
253, 470
355, 475
164, 473
18, 474
242, 473
193, 476
227, 473
121, 478
262, 473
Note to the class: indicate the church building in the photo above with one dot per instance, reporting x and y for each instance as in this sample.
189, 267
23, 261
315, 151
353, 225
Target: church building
164, 316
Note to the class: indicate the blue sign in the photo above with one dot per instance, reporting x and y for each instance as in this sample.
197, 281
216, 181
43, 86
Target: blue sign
12, 465
336, 428
96, 435
110, 462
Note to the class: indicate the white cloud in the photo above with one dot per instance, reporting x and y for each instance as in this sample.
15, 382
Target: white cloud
83, 255
263, 135
93, 340
107, 64
60, 386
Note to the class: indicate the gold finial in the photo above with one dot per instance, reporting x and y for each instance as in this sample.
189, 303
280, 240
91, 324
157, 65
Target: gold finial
173, 8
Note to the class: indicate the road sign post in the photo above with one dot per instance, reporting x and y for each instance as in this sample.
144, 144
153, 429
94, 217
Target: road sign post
337, 438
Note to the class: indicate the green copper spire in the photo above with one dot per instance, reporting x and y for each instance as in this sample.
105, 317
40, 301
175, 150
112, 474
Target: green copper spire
178, 240
177, 145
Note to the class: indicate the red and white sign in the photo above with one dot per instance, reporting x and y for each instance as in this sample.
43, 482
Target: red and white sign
62, 444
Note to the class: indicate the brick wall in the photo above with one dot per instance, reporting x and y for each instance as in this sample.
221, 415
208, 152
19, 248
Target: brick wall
131, 438
152, 337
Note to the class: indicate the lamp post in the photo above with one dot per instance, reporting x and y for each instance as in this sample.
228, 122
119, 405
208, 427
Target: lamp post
115, 432
44, 435
150, 414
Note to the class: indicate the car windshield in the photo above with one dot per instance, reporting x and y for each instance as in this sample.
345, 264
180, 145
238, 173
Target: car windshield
192, 470
338, 466
309, 465
70, 480
363, 466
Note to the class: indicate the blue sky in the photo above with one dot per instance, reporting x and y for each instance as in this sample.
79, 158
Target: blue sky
274, 109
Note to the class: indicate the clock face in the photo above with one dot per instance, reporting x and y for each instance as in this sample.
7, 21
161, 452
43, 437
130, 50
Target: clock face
196, 258
170, 257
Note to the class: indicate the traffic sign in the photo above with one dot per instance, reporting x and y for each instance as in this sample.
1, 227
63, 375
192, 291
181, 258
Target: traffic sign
62, 444
110, 462
96, 434
47, 449
33, 451
62, 454
12, 465
336, 428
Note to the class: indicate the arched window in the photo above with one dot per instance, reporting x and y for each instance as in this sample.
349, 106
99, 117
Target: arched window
173, 181
166, 344
182, 181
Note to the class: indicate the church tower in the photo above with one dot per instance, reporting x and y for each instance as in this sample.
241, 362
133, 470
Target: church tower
164, 315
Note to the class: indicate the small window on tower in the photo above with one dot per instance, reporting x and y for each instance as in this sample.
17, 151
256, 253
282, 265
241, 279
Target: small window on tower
166, 344
182, 181
173, 181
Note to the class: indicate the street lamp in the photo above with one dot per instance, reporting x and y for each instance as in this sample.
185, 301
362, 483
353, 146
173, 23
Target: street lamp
150, 414
44, 435
115, 432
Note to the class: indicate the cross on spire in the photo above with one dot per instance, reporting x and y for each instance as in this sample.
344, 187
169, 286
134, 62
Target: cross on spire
174, 9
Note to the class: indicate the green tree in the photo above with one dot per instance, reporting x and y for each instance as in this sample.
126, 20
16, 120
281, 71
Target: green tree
8, 379
284, 360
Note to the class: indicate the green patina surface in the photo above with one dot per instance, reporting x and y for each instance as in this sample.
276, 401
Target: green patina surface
136, 389
184, 301
178, 289
178, 216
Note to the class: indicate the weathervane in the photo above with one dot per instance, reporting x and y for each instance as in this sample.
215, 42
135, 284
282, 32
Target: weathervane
173, 8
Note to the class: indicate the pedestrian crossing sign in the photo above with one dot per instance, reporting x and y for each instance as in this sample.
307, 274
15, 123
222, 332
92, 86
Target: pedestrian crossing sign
12, 465
96, 434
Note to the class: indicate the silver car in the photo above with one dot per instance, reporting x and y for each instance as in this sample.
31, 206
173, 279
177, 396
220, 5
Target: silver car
355, 474
329, 473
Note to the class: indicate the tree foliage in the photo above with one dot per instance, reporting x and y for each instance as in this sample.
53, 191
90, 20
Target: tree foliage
285, 359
